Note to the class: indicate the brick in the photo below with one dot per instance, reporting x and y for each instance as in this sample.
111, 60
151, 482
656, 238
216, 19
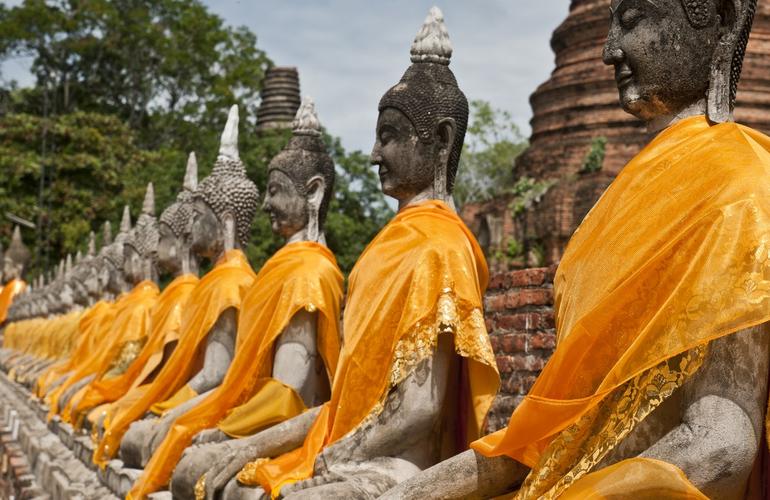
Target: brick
547, 320
527, 362
494, 341
520, 321
534, 296
499, 281
494, 303
512, 343
527, 277
542, 340
504, 364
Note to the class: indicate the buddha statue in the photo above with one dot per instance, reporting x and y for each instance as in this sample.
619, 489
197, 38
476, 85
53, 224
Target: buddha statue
413, 324
131, 327
174, 257
288, 339
15, 260
224, 205
658, 385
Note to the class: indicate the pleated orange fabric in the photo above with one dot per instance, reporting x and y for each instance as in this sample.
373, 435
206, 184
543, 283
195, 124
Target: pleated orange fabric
220, 289
675, 254
8, 293
86, 325
132, 323
422, 275
164, 315
96, 336
300, 276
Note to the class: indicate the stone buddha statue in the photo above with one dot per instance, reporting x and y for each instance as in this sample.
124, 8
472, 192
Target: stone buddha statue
304, 349
224, 203
141, 246
658, 393
15, 261
412, 324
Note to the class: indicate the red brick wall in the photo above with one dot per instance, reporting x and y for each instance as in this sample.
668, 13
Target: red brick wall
519, 315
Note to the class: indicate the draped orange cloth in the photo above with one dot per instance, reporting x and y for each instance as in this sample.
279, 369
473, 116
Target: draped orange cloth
165, 314
88, 320
676, 253
422, 275
220, 289
8, 293
94, 329
300, 276
131, 324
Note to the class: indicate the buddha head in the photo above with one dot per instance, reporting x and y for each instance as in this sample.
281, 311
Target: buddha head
422, 120
112, 273
175, 226
84, 277
300, 180
15, 258
140, 250
225, 201
671, 55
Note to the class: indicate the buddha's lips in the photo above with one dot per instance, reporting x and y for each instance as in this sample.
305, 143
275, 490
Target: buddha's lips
623, 77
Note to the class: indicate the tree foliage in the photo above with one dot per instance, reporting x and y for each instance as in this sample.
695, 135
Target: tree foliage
492, 143
124, 90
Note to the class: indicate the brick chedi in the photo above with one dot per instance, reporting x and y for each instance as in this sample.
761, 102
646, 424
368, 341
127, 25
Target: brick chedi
579, 103
280, 98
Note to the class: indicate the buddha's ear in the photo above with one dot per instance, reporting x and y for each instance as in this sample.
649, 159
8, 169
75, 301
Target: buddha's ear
230, 236
445, 137
734, 15
315, 189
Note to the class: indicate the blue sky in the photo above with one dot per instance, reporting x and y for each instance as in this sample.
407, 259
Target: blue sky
349, 52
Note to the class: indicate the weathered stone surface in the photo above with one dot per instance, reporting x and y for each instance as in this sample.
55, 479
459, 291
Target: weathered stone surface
280, 98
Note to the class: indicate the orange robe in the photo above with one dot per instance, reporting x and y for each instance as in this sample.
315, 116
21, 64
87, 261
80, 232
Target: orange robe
86, 324
675, 254
110, 336
220, 289
164, 314
422, 275
8, 293
97, 326
300, 276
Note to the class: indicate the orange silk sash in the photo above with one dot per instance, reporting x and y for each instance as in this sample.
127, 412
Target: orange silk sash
85, 329
299, 276
422, 275
165, 314
8, 293
131, 324
220, 289
676, 253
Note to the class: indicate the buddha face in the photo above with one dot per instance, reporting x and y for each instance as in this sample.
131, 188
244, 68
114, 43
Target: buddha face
285, 204
207, 234
11, 269
92, 283
132, 264
662, 63
407, 165
169, 252
112, 278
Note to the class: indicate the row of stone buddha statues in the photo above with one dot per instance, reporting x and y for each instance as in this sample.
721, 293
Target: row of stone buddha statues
243, 384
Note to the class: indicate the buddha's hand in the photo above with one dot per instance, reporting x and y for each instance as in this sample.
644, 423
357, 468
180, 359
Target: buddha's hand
209, 436
313, 482
223, 470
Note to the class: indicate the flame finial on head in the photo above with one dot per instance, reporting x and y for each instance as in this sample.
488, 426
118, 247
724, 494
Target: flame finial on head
91, 245
306, 121
229, 143
432, 42
68, 265
148, 206
191, 173
106, 234
125, 222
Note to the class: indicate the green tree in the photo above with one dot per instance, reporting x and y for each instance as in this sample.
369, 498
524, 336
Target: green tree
94, 168
492, 144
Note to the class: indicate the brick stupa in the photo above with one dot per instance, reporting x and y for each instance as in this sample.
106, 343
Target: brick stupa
280, 99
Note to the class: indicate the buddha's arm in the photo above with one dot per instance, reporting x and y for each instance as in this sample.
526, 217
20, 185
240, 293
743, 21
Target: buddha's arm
723, 416
296, 358
407, 423
220, 345
271, 442
468, 475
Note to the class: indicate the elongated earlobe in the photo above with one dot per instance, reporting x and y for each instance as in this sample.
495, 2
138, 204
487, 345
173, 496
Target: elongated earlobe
315, 194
